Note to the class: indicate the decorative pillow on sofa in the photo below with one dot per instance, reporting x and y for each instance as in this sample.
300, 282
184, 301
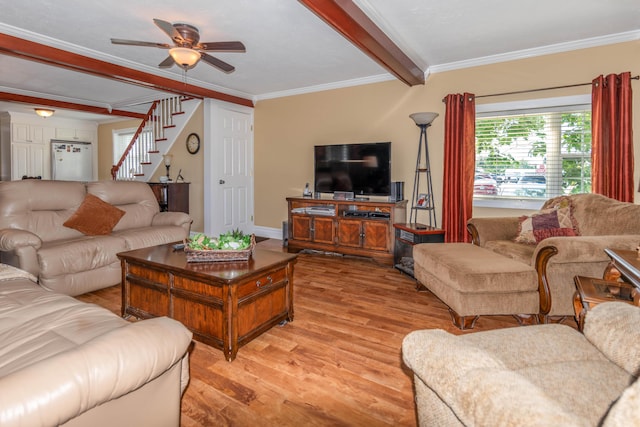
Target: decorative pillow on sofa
94, 217
546, 223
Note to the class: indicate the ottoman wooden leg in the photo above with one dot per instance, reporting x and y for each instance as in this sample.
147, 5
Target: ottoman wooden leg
463, 322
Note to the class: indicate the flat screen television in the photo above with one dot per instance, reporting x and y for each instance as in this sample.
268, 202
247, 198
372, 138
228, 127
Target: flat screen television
363, 168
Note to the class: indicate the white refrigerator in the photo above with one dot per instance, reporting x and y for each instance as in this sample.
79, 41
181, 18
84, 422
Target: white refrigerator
71, 161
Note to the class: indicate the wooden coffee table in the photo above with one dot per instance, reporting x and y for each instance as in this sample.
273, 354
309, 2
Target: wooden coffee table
224, 304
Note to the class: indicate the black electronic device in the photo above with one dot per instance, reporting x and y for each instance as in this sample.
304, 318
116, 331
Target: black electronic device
379, 215
361, 168
358, 214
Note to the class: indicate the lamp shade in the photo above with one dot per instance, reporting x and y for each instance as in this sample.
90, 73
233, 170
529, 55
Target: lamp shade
167, 159
423, 118
184, 57
44, 112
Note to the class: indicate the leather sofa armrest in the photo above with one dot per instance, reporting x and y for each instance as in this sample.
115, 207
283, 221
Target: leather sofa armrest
484, 230
171, 218
12, 239
59, 388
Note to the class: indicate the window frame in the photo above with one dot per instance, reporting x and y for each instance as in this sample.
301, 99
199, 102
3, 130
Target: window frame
522, 107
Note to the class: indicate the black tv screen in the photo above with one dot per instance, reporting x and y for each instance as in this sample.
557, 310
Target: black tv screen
364, 169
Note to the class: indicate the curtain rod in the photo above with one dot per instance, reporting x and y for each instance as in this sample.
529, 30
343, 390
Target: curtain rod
539, 90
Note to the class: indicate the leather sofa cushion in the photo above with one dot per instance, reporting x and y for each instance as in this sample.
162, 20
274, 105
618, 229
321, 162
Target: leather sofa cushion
82, 254
40, 207
94, 217
135, 198
38, 324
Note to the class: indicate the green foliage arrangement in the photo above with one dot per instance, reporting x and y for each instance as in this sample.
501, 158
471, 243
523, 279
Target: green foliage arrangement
234, 240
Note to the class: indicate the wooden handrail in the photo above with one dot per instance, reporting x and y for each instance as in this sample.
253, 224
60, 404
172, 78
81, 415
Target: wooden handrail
115, 168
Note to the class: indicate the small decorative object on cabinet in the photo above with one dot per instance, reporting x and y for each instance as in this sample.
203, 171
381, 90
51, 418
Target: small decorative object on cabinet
409, 235
423, 201
349, 227
171, 196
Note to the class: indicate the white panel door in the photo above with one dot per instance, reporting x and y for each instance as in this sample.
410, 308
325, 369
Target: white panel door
229, 180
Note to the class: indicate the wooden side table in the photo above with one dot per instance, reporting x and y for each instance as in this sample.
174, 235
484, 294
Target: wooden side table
406, 236
591, 292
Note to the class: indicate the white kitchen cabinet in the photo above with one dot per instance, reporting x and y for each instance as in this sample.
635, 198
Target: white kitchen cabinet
23, 132
29, 160
69, 134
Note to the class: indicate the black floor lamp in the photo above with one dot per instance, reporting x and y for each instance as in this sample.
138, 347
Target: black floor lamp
423, 201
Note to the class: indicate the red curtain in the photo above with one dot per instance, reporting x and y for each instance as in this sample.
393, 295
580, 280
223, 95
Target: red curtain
459, 166
612, 137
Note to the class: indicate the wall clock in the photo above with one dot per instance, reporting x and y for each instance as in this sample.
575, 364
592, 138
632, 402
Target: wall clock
193, 143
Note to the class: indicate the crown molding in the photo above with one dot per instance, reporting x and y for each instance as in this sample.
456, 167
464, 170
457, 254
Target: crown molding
538, 51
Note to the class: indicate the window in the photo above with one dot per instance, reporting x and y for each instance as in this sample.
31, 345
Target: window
532, 154
121, 140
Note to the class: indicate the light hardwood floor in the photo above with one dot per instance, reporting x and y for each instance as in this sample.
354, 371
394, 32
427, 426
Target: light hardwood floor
339, 363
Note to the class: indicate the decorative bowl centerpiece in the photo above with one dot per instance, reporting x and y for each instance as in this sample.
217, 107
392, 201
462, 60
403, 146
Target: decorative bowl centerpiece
231, 246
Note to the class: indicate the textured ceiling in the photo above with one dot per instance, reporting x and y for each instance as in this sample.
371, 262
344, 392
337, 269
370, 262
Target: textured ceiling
289, 49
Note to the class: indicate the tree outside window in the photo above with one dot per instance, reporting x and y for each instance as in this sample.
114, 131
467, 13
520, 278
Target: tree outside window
535, 155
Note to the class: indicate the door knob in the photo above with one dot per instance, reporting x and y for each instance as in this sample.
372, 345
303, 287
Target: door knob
222, 181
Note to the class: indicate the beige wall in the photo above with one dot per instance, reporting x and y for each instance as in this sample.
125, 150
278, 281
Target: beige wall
286, 129
191, 165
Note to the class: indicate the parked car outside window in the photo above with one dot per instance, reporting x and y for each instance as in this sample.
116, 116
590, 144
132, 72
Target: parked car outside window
485, 185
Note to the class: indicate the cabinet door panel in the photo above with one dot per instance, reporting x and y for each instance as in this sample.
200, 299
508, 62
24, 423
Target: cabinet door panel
37, 160
301, 227
19, 161
349, 232
323, 230
376, 235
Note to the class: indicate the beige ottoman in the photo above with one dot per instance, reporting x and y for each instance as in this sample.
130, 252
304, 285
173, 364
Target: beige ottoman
474, 281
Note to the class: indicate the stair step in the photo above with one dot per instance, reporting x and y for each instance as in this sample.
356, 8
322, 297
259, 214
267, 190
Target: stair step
145, 163
153, 152
177, 112
161, 139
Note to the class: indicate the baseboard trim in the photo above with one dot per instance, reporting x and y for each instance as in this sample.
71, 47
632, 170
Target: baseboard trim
272, 233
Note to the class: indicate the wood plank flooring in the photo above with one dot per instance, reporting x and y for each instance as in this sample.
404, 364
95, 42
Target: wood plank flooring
338, 363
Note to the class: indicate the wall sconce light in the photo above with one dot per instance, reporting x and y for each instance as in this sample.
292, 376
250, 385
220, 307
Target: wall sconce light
184, 57
167, 163
44, 112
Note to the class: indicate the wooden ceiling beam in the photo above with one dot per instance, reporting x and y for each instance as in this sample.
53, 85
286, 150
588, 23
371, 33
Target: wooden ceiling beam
350, 21
32, 51
25, 99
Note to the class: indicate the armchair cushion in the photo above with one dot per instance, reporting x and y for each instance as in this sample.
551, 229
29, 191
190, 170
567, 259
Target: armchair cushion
94, 217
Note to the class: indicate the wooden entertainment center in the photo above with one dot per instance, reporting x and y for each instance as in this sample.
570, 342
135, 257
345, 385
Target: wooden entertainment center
352, 227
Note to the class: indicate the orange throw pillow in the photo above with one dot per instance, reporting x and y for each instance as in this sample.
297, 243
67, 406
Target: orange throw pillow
94, 217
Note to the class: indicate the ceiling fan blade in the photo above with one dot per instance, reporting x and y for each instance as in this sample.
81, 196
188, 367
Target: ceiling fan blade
169, 29
221, 65
139, 43
234, 46
167, 63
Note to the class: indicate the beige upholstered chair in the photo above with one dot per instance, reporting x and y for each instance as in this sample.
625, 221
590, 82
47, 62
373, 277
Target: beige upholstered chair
539, 375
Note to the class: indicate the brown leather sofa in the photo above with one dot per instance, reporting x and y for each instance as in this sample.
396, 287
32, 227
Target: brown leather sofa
65, 362
65, 260
600, 222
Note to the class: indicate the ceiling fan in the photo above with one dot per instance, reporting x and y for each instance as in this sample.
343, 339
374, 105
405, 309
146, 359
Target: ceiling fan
187, 50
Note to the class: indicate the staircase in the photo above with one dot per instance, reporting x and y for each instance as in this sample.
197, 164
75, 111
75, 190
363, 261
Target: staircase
154, 137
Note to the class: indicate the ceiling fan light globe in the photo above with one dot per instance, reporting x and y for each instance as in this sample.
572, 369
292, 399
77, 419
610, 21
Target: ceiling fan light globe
184, 57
